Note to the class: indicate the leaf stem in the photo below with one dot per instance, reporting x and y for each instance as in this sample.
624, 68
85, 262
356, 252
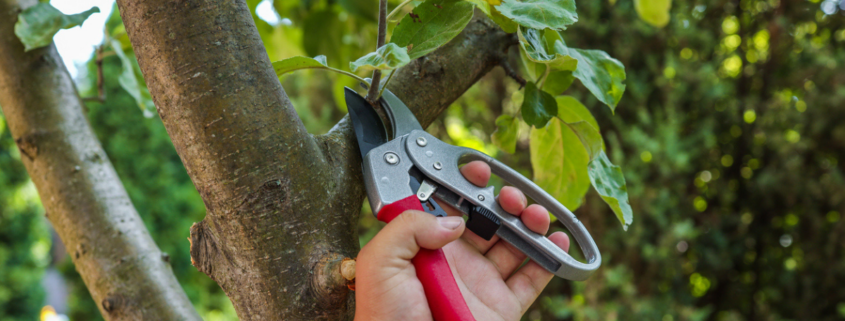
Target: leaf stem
542, 79
372, 95
396, 10
350, 75
381, 91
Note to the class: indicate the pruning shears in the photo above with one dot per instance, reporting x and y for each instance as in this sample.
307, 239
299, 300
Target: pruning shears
405, 168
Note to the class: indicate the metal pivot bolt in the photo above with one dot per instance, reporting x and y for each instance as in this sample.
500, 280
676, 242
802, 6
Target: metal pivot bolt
480, 197
421, 141
391, 158
438, 166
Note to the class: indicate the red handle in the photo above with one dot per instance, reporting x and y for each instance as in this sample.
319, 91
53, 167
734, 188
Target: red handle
444, 297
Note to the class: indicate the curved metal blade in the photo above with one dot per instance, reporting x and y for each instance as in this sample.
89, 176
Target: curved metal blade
368, 127
402, 119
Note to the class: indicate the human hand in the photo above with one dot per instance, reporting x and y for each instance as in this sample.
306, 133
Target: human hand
486, 272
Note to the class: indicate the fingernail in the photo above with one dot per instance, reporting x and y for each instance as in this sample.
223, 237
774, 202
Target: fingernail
450, 222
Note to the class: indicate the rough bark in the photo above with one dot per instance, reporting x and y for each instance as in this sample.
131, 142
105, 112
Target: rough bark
123, 269
282, 204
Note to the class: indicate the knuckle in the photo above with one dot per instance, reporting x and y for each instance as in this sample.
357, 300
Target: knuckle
407, 217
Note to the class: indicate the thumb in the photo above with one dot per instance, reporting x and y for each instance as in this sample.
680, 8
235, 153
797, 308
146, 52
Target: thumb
405, 234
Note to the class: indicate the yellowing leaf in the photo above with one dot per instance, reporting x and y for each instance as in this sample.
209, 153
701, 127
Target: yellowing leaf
38, 24
507, 24
559, 163
388, 57
494, 2
540, 14
655, 12
582, 124
435, 23
571, 110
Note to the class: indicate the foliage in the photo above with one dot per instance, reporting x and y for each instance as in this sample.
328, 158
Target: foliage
540, 14
127, 78
38, 24
387, 57
299, 62
538, 106
506, 134
655, 12
24, 240
434, 23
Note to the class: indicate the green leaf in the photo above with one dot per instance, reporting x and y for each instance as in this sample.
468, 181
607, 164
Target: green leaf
434, 24
507, 24
559, 163
540, 14
127, 79
609, 182
529, 67
38, 24
299, 62
602, 75
534, 46
506, 134
655, 12
537, 106
558, 81
388, 57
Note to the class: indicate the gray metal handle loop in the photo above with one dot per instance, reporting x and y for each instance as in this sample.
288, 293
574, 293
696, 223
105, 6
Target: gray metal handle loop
536, 246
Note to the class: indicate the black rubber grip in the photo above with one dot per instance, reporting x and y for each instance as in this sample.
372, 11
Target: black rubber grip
483, 222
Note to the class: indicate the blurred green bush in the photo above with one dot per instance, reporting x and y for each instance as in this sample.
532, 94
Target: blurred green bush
24, 238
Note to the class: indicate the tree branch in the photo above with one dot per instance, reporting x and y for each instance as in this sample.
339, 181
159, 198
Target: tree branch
430, 84
81, 193
373, 93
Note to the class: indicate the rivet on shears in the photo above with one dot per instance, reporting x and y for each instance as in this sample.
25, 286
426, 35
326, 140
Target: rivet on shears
438, 166
421, 141
391, 158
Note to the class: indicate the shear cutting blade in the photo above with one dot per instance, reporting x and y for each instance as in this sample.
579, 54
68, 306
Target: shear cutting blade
401, 118
368, 127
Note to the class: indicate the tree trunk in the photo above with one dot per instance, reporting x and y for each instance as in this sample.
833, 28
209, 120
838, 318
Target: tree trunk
126, 273
282, 204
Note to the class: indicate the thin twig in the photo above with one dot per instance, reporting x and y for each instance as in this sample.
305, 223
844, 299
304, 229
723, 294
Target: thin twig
397, 9
503, 61
101, 94
372, 95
